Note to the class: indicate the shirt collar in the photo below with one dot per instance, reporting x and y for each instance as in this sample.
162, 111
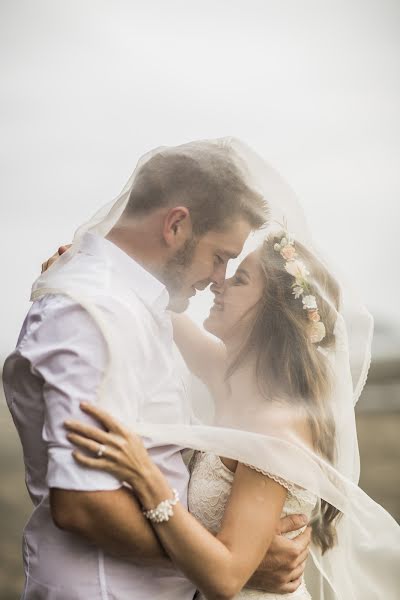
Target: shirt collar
149, 289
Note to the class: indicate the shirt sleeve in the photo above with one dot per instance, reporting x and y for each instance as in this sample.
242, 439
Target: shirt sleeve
67, 351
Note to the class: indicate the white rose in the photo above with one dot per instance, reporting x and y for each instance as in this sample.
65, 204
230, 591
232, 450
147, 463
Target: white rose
309, 302
297, 291
297, 269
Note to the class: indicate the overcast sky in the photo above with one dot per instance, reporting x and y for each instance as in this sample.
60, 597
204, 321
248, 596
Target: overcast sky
87, 86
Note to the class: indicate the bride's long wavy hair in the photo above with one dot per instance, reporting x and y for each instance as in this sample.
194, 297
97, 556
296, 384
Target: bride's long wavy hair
280, 340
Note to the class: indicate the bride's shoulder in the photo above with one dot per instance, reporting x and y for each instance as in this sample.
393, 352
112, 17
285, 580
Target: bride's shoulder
285, 420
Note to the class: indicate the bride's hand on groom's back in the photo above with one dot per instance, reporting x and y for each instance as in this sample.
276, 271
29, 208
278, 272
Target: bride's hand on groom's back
47, 263
283, 566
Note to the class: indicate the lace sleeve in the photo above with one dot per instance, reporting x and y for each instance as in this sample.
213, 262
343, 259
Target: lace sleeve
291, 487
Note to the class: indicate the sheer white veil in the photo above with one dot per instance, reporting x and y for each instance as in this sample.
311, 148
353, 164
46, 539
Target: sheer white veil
364, 563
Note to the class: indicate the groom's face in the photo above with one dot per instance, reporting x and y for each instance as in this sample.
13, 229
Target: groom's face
203, 261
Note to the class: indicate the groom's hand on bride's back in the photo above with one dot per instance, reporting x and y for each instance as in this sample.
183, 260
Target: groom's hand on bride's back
283, 566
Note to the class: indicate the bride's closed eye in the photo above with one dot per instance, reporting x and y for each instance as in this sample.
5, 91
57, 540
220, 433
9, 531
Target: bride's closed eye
237, 280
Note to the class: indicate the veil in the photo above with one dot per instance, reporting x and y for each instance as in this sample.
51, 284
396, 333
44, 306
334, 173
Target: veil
363, 564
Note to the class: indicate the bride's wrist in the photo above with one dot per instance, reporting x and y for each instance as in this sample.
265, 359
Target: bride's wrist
152, 488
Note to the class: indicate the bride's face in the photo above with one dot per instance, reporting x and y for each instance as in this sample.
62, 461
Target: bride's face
235, 300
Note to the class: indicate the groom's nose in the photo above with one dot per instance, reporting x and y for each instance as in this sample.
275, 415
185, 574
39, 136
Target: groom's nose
202, 285
218, 275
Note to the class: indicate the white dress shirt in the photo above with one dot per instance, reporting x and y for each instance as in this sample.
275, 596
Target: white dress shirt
58, 362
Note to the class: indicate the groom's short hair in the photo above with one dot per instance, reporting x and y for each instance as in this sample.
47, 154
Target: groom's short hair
204, 178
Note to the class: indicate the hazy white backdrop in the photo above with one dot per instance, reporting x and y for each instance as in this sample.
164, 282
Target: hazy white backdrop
87, 86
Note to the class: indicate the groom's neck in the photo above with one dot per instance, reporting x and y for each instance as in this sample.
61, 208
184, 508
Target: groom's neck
141, 244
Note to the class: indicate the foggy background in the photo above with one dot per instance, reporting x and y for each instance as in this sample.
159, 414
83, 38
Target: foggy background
88, 86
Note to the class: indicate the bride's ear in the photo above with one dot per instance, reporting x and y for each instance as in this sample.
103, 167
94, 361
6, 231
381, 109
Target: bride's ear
177, 227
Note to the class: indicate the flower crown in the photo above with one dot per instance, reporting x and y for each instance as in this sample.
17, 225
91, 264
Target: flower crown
301, 287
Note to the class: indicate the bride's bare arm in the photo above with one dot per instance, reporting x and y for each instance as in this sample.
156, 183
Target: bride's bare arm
204, 355
220, 566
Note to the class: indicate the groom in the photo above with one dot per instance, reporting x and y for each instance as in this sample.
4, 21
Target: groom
87, 537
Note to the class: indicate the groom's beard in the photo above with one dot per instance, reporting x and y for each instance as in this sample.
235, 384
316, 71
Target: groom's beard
174, 275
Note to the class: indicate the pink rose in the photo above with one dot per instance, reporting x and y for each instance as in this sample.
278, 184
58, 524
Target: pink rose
288, 252
313, 315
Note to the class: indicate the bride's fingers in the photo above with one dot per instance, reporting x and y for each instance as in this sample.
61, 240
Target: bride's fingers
47, 263
105, 418
102, 464
83, 442
89, 431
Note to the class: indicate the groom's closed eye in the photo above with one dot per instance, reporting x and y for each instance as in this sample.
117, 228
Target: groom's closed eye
224, 256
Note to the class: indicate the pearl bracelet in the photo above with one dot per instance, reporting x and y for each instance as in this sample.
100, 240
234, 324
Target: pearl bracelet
163, 511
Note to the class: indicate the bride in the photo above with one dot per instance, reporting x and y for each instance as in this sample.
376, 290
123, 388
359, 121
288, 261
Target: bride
286, 362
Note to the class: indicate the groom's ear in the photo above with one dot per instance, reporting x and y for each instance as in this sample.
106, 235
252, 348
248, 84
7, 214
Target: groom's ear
177, 226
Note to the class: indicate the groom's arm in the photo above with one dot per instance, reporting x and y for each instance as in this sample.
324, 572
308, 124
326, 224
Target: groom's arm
68, 353
112, 520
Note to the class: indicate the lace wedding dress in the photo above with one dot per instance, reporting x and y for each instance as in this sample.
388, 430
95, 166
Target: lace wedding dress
209, 490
